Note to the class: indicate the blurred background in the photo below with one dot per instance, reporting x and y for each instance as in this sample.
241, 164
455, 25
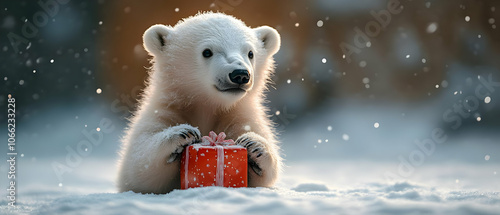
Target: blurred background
338, 94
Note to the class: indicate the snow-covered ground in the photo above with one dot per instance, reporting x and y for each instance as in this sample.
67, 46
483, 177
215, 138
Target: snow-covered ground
337, 162
317, 187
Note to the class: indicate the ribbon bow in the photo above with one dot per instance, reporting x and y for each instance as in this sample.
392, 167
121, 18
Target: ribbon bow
213, 139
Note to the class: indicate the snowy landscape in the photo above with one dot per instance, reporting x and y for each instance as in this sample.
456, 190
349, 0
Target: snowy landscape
339, 175
407, 125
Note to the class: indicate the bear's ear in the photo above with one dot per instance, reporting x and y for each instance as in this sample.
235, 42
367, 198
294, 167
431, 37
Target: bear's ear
270, 38
156, 38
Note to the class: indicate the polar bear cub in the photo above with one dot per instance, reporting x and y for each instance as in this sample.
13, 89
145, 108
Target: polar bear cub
209, 73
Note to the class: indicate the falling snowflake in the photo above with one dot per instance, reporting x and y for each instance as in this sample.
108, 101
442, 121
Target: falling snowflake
345, 137
319, 23
487, 99
432, 27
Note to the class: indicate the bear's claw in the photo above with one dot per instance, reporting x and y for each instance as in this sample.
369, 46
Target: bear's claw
255, 167
255, 151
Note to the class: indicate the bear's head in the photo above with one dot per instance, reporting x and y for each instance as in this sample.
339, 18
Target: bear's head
213, 57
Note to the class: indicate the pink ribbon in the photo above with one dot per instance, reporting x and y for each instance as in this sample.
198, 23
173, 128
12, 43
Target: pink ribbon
213, 139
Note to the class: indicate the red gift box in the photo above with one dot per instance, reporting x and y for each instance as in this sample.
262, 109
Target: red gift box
214, 162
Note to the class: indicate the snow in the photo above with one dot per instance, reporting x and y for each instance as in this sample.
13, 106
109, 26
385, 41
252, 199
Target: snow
317, 198
320, 176
319, 23
432, 27
345, 137
487, 99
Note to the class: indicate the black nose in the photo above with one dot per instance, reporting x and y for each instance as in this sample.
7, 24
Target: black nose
239, 76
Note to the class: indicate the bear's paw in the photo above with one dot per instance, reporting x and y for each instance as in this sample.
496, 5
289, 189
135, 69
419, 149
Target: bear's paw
181, 136
256, 148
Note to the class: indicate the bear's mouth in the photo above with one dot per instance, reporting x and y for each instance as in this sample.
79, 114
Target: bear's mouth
234, 90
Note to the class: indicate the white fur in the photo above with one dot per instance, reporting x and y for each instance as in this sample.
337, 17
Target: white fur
181, 96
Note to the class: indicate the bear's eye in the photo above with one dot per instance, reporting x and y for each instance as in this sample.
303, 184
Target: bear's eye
250, 55
207, 53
